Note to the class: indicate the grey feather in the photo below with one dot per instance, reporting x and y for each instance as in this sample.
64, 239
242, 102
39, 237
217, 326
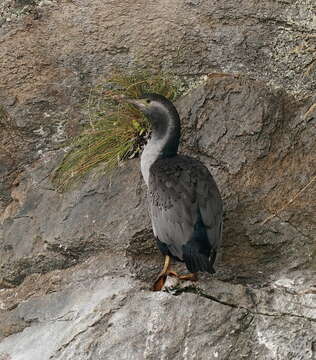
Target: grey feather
179, 188
185, 204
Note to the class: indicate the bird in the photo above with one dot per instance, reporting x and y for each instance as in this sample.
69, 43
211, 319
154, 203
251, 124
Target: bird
185, 204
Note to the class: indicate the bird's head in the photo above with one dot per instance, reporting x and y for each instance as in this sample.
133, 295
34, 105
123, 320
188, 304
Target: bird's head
151, 104
158, 109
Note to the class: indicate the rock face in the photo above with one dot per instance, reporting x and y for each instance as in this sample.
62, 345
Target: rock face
98, 311
53, 53
76, 268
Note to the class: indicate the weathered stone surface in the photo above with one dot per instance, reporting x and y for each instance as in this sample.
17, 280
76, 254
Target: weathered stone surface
246, 159
76, 268
43, 229
95, 310
262, 154
52, 51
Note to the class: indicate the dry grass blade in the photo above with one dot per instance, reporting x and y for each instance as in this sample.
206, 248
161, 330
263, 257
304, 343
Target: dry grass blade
115, 131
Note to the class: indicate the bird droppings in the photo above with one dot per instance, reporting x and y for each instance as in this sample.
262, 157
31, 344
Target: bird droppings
39, 131
154, 327
268, 343
60, 133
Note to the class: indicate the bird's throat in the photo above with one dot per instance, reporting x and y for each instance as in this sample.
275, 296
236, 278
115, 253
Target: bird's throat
151, 152
164, 140
158, 148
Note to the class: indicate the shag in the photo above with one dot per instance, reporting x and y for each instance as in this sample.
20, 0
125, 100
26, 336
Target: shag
185, 204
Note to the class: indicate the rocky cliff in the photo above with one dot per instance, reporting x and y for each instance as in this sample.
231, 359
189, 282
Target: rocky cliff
76, 268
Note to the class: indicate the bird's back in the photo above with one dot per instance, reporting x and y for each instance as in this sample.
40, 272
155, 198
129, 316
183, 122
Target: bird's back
186, 210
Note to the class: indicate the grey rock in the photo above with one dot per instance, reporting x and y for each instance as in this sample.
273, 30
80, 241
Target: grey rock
110, 214
51, 55
96, 310
47, 229
76, 268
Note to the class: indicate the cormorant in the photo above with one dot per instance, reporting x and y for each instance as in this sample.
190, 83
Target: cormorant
185, 204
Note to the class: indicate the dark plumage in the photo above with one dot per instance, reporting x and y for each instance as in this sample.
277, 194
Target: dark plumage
185, 203
186, 211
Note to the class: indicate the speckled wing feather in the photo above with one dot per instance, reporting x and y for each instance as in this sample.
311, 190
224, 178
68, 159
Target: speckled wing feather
182, 191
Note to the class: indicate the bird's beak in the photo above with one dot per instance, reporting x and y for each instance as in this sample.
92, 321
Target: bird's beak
140, 105
124, 99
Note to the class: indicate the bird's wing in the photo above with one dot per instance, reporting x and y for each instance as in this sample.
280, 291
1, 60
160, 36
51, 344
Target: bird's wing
211, 207
180, 189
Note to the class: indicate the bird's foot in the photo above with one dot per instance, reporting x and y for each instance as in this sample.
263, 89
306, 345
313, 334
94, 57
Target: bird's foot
161, 279
191, 277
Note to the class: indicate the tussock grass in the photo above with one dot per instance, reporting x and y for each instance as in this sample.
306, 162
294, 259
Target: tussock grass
115, 131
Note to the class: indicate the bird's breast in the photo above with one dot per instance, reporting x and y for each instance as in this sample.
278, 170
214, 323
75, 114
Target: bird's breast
151, 153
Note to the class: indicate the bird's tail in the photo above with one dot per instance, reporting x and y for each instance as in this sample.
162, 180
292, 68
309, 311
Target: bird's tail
195, 261
198, 253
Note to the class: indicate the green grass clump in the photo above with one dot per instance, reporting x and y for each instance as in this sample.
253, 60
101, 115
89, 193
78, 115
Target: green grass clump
115, 131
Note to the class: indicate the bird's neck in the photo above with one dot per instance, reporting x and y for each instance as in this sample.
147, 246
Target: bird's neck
164, 140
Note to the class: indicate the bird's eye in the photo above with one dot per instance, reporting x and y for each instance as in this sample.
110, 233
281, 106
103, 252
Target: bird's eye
148, 101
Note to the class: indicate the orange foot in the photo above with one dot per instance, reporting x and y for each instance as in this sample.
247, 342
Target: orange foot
161, 279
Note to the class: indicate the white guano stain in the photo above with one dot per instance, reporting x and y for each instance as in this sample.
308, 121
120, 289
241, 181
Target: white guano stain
186, 342
268, 343
154, 327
